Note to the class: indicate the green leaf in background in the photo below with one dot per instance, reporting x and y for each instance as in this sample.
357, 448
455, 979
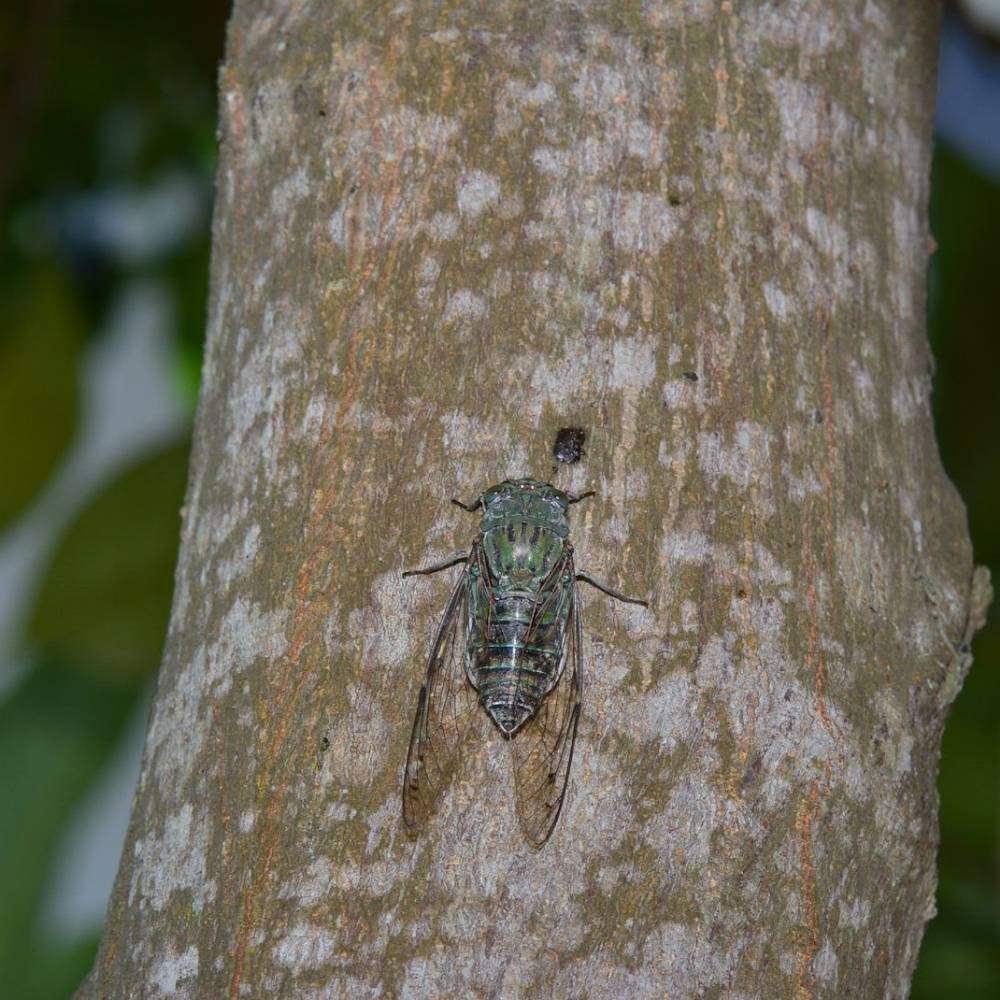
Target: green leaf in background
98, 623
60, 969
118, 93
188, 273
105, 600
57, 729
39, 361
960, 956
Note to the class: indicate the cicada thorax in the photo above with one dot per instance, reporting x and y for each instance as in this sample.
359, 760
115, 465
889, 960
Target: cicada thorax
519, 601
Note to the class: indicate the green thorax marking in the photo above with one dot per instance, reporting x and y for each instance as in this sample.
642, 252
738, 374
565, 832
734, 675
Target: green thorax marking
525, 500
524, 533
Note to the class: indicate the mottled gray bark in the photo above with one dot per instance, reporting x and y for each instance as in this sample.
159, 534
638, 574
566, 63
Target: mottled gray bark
443, 231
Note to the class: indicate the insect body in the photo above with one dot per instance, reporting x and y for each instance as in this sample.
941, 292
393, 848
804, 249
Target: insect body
510, 639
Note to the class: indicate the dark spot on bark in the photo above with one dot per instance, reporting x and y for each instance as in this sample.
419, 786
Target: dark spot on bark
257, 111
568, 446
352, 189
964, 648
352, 82
322, 112
674, 199
753, 771
880, 735
300, 99
324, 745
741, 594
818, 415
788, 694
690, 376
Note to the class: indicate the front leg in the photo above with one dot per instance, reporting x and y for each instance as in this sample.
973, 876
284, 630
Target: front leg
458, 557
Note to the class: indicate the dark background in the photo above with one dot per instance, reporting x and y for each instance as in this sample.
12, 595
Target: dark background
107, 147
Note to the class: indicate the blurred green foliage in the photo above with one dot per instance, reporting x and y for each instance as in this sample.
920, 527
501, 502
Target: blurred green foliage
960, 956
103, 97
106, 597
39, 361
100, 102
57, 730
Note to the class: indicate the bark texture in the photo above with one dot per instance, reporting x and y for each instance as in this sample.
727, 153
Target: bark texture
444, 231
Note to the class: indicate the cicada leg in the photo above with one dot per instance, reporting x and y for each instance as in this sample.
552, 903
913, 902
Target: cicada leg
610, 591
458, 557
577, 497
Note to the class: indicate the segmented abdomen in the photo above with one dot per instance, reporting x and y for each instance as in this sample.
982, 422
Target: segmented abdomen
514, 665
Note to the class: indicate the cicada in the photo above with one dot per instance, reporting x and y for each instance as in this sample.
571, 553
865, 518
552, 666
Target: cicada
509, 643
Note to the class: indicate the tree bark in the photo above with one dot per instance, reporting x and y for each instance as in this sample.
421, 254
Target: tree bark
444, 231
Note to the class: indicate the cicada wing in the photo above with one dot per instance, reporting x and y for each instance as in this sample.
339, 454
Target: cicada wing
543, 749
556, 604
444, 710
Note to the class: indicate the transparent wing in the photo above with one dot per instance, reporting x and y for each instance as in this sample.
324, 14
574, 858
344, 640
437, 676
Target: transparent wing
543, 749
444, 709
555, 597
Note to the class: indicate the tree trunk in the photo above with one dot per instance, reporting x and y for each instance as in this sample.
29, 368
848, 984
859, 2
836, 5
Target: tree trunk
443, 232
